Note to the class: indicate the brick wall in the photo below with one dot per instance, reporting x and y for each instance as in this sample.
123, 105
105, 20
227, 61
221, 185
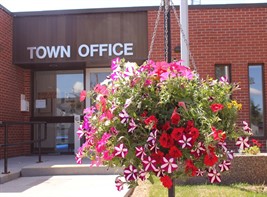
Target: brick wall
230, 35
13, 84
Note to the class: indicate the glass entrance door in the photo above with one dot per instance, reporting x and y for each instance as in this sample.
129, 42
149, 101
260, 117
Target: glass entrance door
56, 101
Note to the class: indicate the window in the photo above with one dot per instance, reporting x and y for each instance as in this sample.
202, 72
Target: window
223, 70
57, 93
256, 99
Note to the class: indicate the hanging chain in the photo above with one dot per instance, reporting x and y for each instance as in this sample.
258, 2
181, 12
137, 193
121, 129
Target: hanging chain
166, 10
183, 36
155, 30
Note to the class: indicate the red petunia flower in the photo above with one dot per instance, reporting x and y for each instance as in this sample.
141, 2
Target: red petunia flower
166, 126
190, 167
218, 135
175, 152
151, 121
194, 133
158, 156
165, 140
166, 181
175, 118
177, 133
216, 107
210, 159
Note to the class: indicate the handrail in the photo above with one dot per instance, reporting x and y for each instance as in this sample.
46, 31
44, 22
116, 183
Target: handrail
6, 124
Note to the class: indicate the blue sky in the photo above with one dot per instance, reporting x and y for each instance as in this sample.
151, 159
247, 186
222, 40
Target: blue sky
38, 5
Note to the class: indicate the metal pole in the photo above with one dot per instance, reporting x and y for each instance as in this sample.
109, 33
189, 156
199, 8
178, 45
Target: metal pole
171, 191
39, 143
184, 27
5, 150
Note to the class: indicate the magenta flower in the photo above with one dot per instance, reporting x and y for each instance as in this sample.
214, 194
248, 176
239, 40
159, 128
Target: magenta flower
80, 132
152, 137
119, 184
225, 165
115, 63
185, 142
169, 165
114, 131
132, 126
124, 116
214, 176
121, 151
83, 95
242, 143
130, 173
149, 164
140, 152
101, 144
107, 156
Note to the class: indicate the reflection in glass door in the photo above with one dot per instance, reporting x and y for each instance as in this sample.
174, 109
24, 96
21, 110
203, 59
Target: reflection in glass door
56, 101
94, 77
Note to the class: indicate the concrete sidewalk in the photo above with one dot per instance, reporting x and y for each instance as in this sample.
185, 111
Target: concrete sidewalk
58, 176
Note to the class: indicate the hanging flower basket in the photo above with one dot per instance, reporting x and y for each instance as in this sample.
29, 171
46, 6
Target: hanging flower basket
160, 119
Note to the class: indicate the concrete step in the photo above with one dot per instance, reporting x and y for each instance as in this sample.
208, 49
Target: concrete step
51, 170
27, 166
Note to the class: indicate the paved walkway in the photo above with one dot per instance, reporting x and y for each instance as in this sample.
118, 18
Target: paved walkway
61, 185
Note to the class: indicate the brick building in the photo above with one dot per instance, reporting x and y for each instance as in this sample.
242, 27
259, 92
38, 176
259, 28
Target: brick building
49, 57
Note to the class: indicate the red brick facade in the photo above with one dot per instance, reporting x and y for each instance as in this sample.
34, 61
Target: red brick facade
13, 84
235, 35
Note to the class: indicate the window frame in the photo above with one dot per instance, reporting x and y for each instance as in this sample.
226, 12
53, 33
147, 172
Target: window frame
264, 136
229, 70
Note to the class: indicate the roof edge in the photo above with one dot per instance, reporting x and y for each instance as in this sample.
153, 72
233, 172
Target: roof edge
131, 9
6, 10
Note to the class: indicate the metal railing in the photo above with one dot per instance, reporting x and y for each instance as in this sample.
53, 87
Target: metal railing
7, 124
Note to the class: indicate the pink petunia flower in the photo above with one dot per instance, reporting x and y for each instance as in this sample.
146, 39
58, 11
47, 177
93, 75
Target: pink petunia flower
152, 137
149, 164
225, 165
130, 173
119, 184
83, 95
242, 142
132, 126
140, 152
121, 151
159, 172
223, 145
230, 155
169, 165
115, 63
198, 150
200, 172
124, 116
142, 175
246, 128
185, 142
214, 176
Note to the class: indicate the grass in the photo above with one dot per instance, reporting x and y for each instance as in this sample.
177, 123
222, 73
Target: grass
235, 190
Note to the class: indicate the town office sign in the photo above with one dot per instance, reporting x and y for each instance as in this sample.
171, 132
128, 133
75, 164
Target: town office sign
84, 51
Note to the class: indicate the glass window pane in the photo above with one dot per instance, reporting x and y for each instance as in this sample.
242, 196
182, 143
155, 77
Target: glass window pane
256, 100
56, 93
222, 71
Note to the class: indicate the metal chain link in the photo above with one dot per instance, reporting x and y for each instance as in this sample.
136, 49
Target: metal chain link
183, 36
155, 30
166, 10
